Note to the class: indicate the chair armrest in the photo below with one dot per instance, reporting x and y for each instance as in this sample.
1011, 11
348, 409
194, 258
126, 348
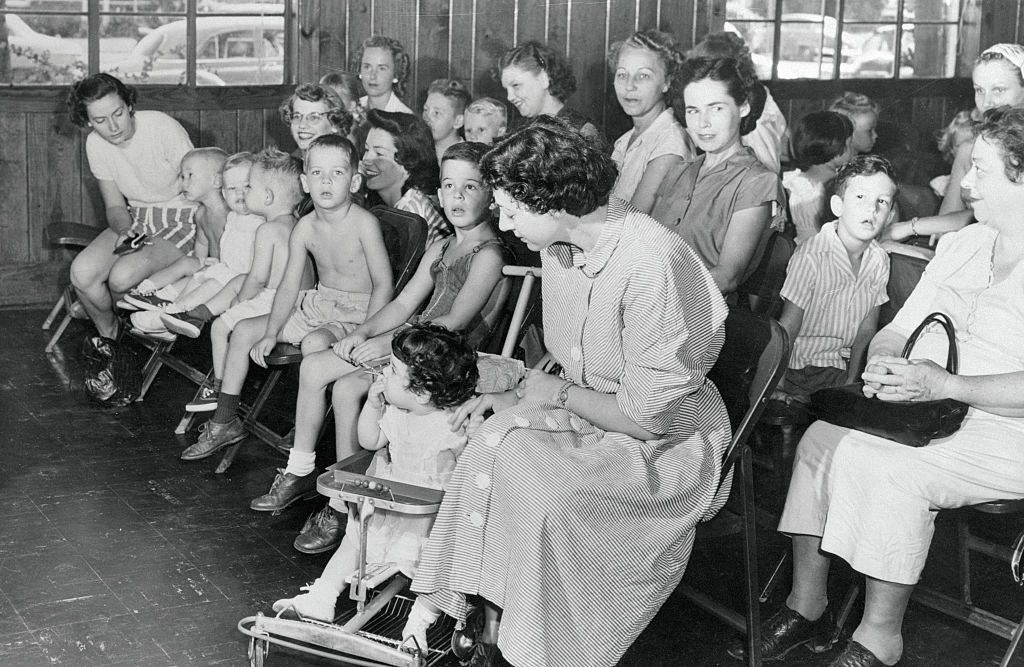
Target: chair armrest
284, 354
70, 234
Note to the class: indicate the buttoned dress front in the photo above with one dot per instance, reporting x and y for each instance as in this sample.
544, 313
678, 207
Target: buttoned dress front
580, 534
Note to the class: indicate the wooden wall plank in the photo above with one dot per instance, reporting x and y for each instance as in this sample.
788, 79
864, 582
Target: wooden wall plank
677, 18
463, 43
219, 128
53, 177
531, 22
360, 26
398, 19
587, 48
493, 38
276, 133
647, 14
250, 130
14, 193
331, 36
558, 18
433, 59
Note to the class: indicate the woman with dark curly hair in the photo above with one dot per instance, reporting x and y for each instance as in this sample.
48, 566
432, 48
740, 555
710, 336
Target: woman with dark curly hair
643, 67
572, 511
383, 67
400, 165
725, 202
134, 156
538, 80
405, 420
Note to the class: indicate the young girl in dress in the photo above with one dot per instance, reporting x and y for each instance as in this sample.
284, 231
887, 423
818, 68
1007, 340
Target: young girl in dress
404, 419
822, 143
461, 275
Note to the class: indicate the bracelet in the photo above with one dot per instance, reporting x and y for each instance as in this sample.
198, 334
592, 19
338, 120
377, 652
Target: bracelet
913, 225
563, 393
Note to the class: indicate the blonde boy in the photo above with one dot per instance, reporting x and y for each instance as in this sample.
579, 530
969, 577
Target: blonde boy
485, 120
355, 281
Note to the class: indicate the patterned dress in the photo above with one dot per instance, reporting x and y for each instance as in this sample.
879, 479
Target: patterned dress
579, 534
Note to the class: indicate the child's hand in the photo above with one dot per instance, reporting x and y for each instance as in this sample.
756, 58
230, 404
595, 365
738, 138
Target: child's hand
375, 399
371, 350
343, 348
261, 349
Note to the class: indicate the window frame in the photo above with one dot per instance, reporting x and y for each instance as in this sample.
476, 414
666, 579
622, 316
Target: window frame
94, 15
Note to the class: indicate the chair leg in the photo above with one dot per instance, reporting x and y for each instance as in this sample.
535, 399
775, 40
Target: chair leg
1014, 643
58, 333
228, 458
188, 419
750, 557
48, 322
963, 540
152, 367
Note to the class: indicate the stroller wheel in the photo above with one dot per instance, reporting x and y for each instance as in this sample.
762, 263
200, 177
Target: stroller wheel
258, 649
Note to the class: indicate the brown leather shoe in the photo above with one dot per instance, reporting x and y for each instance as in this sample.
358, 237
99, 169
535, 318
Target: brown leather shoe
322, 532
214, 436
285, 490
783, 632
857, 655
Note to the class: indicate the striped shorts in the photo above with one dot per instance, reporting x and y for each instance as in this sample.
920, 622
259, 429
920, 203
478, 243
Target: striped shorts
176, 225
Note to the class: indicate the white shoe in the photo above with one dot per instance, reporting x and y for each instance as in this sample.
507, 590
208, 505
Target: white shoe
148, 321
415, 630
316, 603
168, 292
162, 336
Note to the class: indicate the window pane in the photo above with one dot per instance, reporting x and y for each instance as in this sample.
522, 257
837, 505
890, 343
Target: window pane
241, 7
749, 9
928, 51
46, 49
930, 10
240, 50
143, 49
807, 50
759, 37
808, 8
868, 50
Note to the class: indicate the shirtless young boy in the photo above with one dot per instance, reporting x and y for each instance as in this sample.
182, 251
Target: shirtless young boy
355, 281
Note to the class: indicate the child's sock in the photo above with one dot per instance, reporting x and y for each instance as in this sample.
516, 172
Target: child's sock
300, 464
146, 287
201, 312
227, 408
421, 616
317, 602
168, 292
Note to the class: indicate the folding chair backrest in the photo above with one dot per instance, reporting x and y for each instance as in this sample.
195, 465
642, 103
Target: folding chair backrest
762, 288
522, 301
405, 235
750, 365
904, 273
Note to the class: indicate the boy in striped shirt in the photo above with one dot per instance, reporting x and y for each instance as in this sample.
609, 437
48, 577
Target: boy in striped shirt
835, 283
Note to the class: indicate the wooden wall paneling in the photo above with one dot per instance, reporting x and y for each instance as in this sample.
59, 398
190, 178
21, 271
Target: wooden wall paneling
250, 130
219, 128
54, 178
14, 193
331, 37
433, 59
532, 21
360, 26
1001, 21
93, 211
622, 22
494, 21
398, 19
677, 18
310, 21
588, 30
276, 133
646, 13
463, 43
189, 119
559, 30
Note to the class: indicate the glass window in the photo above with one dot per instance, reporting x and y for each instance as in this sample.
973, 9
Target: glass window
825, 39
146, 41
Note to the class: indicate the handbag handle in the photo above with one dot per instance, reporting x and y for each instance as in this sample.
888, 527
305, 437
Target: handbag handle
952, 358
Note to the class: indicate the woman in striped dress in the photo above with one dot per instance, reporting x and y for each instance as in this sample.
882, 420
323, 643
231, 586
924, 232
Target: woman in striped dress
572, 511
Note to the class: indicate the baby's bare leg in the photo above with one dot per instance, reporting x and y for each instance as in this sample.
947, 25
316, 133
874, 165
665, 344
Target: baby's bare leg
183, 267
197, 295
221, 301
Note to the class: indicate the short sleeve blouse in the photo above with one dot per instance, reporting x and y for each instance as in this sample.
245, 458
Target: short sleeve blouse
665, 136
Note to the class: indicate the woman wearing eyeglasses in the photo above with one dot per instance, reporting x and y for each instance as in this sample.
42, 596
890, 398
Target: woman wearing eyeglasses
538, 80
314, 110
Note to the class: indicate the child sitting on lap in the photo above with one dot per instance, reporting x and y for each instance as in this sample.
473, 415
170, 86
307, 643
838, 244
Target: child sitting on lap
355, 281
485, 120
822, 143
836, 283
432, 371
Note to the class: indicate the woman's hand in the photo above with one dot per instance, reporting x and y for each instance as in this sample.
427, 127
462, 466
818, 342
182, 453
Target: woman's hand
539, 386
376, 348
470, 414
343, 348
897, 379
261, 349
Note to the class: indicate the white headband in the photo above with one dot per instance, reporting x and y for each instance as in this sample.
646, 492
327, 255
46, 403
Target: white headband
1011, 52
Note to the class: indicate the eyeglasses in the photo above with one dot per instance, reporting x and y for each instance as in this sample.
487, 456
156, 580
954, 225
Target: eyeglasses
312, 117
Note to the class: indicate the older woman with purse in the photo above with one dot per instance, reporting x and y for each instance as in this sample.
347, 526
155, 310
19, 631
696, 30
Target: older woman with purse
573, 507
872, 501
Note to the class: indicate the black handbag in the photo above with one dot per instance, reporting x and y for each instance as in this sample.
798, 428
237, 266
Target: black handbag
913, 423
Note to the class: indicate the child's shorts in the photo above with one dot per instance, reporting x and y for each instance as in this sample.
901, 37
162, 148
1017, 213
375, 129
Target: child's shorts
176, 225
257, 306
219, 272
338, 311
800, 383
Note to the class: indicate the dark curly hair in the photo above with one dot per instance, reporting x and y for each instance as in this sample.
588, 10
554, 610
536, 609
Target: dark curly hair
339, 117
742, 85
414, 147
398, 56
1004, 126
864, 165
661, 44
820, 136
96, 87
440, 363
536, 57
547, 166
724, 45
338, 141
466, 151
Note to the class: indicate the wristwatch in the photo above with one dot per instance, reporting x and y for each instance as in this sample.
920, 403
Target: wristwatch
563, 394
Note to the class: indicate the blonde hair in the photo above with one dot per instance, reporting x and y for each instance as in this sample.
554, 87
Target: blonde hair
488, 106
959, 130
851, 104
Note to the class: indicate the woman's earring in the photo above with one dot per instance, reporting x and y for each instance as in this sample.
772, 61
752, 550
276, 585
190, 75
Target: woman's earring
394, 80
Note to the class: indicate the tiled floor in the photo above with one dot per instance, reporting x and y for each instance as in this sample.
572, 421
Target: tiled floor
113, 551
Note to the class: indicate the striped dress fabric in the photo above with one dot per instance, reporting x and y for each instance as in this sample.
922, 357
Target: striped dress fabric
579, 534
416, 202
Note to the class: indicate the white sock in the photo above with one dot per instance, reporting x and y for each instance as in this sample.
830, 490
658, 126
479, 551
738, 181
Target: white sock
168, 292
421, 616
145, 287
300, 464
173, 308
